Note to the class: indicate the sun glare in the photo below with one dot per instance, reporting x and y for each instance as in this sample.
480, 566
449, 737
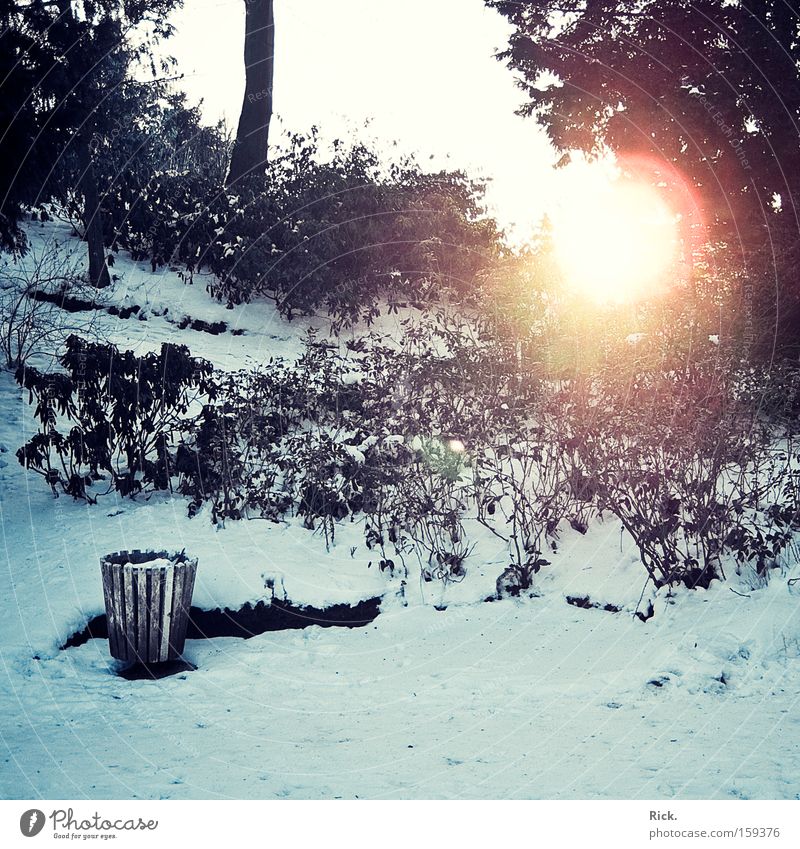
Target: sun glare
616, 239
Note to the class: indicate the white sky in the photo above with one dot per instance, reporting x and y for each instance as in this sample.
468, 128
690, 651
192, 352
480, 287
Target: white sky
423, 72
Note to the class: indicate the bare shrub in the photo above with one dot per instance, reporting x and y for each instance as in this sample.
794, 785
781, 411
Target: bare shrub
522, 495
32, 320
690, 468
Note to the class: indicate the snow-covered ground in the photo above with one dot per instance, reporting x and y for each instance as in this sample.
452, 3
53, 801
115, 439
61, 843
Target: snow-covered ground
528, 698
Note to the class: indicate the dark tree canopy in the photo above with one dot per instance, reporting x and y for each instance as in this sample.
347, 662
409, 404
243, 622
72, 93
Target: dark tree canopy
66, 91
711, 86
26, 149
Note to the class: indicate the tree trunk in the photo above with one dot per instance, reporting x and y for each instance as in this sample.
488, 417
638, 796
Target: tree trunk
92, 212
249, 155
92, 216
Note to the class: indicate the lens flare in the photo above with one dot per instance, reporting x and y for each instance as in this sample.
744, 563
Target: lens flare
619, 234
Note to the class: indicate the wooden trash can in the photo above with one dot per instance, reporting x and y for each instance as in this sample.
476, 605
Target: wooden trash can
147, 595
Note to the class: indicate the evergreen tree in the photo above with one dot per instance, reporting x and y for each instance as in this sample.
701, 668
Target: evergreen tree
71, 65
711, 88
27, 144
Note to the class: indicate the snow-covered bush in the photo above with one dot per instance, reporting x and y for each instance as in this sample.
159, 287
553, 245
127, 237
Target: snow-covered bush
339, 233
413, 438
161, 175
231, 458
340, 435
173, 219
280, 439
334, 233
120, 415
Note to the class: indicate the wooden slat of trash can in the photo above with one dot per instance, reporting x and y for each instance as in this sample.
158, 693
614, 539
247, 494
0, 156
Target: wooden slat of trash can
166, 614
147, 609
188, 590
177, 606
140, 587
108, 597
155, 580
129, 625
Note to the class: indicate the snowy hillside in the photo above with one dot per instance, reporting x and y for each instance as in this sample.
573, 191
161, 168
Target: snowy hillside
561, 693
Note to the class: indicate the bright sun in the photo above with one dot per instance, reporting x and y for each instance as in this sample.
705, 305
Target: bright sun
615, 238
